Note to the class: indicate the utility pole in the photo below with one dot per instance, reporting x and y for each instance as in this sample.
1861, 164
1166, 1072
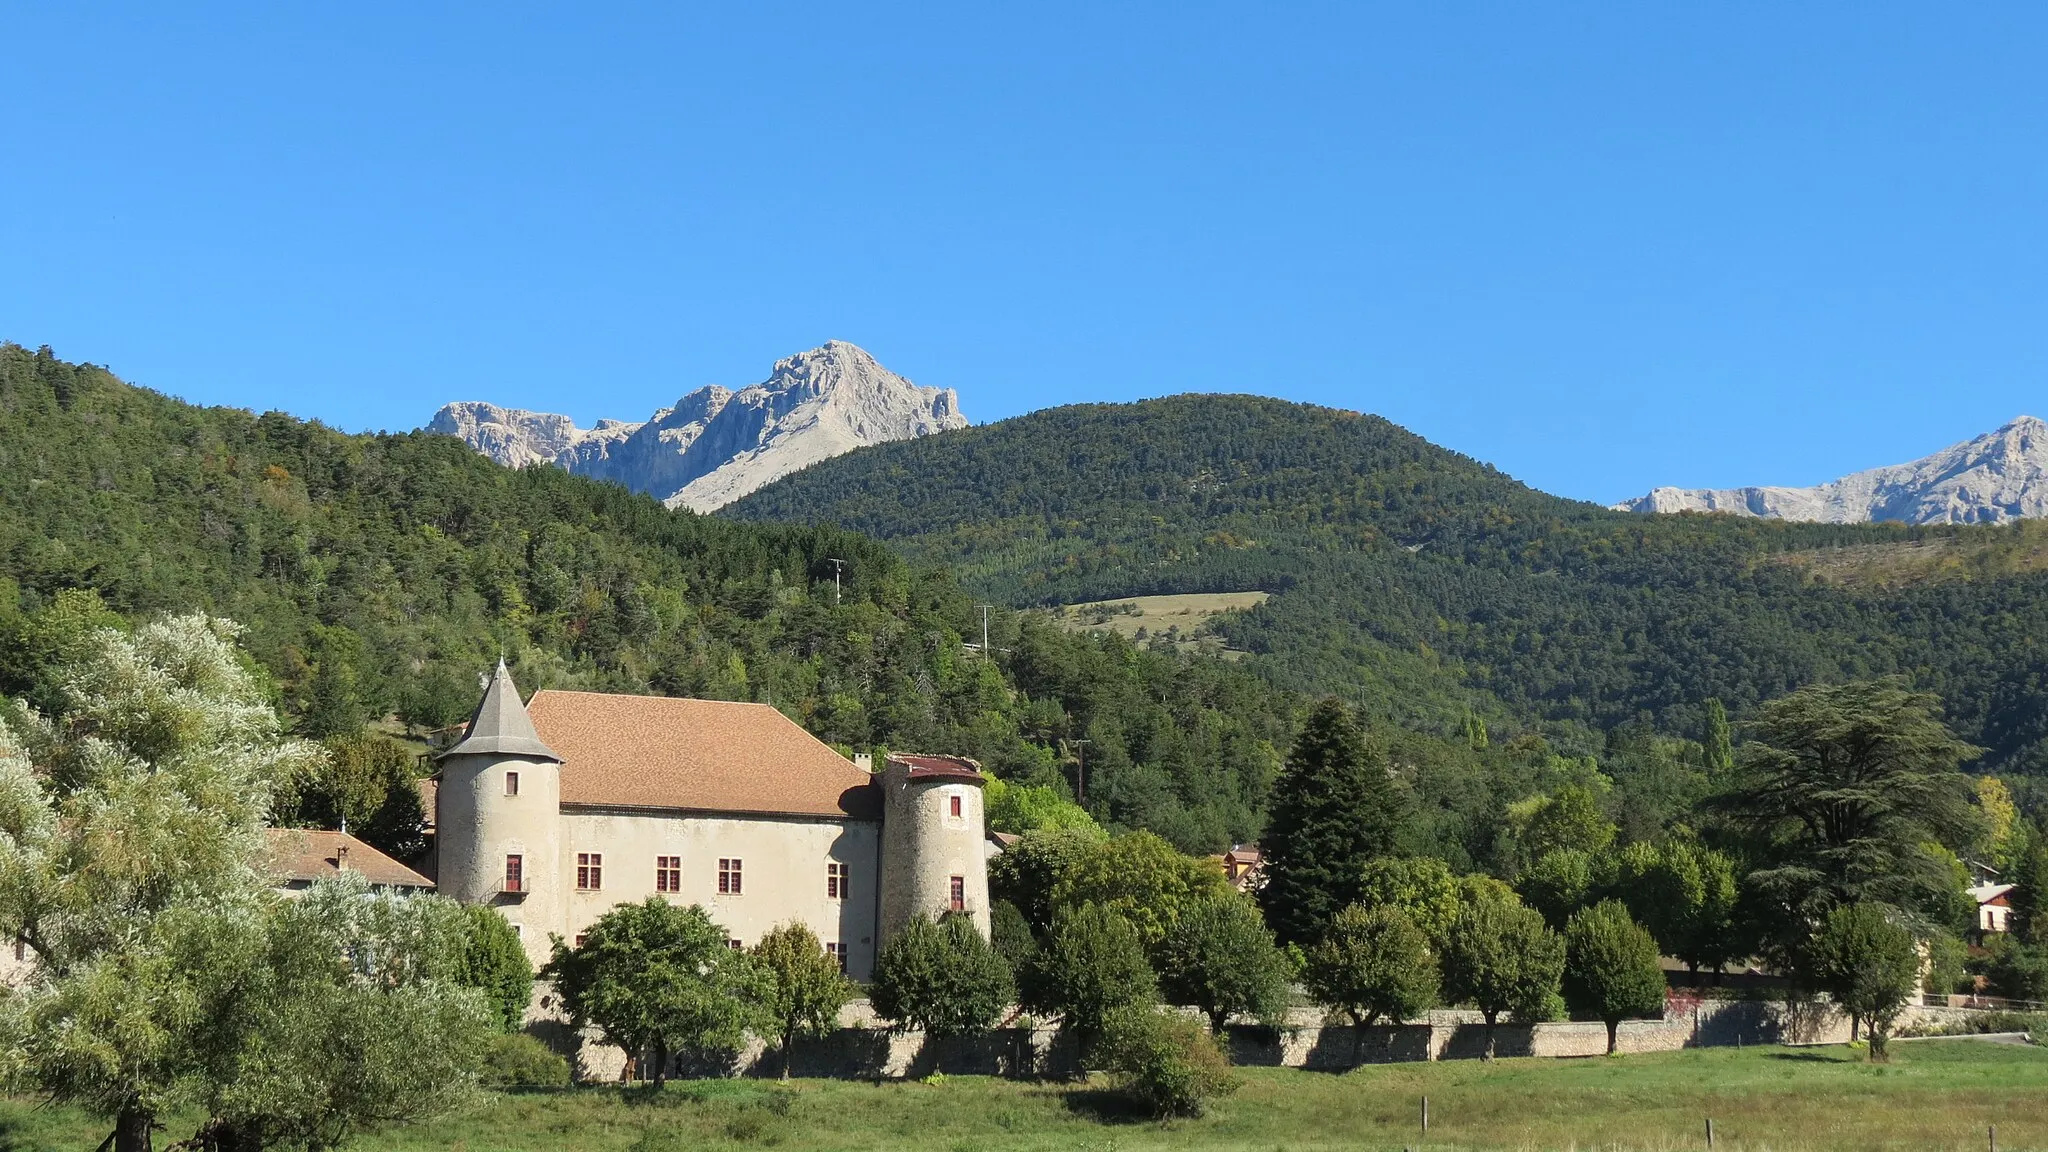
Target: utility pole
1080, 770
837, 564
984, 630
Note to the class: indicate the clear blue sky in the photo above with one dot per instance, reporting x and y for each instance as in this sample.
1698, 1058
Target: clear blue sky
1603, 249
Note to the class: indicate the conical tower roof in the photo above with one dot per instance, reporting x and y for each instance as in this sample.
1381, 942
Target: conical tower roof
501, 724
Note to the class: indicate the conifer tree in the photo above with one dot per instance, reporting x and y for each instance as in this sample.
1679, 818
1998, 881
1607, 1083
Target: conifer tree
1720, 746
1334, 809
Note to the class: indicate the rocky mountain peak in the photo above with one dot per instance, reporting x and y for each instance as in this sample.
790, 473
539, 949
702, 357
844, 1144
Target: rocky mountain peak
1994, 478
715, 444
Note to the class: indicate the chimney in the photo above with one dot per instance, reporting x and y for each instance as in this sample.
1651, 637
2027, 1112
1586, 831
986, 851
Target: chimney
341, 857
865, 761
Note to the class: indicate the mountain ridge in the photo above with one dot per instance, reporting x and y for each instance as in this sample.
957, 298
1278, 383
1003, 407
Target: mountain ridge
1995, 478
715, 444
1426, 585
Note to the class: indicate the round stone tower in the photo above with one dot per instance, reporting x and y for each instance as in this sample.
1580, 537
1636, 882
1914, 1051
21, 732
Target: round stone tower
934, 849
498, 825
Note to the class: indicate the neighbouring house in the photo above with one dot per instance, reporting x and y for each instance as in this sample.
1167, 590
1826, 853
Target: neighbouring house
298, 857
1994, 906
295, 858
556, 809
1244, 867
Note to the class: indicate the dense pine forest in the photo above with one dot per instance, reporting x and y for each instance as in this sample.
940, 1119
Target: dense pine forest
1507, 644
378, 575
1435, 590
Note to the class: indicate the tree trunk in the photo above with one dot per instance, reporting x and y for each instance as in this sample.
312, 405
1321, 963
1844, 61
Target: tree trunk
1855, 1025
660, 1063
132, 1130
788, 1050
1490, 1017
1878, 1036
1613, 1027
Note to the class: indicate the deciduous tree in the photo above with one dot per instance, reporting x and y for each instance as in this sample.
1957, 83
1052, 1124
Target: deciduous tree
1500, 957
1220, 958
1868, 963
1611, 971
1091, 965
658, 976
804, 984
1372, 963
130, 846
942, 978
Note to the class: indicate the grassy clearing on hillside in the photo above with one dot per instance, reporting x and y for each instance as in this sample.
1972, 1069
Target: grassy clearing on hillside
1155, 615
2013, 550
1935, 1095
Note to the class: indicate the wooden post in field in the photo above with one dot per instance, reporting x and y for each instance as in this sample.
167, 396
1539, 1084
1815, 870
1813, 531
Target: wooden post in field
1425, 1118
1994, 1138
1710, 1131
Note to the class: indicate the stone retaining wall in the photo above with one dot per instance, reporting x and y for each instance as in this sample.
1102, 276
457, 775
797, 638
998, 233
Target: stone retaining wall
863, 1048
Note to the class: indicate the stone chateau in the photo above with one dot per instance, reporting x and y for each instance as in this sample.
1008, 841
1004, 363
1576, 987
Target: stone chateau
558, 808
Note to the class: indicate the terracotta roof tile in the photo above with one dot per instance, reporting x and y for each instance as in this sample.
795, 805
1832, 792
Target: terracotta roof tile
309, 854
700, 755
939, 767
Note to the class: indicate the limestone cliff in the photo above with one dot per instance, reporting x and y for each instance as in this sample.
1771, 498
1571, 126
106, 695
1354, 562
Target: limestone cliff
717, 445
1992, 479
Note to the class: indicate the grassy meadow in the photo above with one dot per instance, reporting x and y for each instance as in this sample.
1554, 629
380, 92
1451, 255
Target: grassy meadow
1934, 1095
1189, 613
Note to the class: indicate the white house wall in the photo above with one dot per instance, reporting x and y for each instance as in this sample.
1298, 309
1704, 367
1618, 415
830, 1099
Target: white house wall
783, 869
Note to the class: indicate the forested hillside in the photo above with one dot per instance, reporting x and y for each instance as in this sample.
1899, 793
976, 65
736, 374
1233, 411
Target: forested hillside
379, 575
1434, 588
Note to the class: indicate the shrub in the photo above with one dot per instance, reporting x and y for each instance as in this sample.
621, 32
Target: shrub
2015, 970
494, 962
1011, 935
516, 1060
1167, 1065
1946, 956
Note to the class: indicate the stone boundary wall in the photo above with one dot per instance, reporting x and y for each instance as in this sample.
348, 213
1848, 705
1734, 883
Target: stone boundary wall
864, 1048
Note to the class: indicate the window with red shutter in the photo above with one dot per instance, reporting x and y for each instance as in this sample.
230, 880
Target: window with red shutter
959, 903
515, 874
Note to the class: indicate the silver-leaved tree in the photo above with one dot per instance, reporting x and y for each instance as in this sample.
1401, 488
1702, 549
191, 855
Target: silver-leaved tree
131, 864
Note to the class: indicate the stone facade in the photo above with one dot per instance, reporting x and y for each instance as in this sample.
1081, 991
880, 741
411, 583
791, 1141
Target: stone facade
556, 815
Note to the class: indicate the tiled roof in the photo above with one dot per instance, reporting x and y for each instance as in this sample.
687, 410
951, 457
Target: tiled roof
501, 724
701, 755
309, 854
939, 767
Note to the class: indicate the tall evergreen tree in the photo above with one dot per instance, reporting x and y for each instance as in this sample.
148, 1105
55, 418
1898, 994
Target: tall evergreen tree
1335, 808
1719, 744
1844, 787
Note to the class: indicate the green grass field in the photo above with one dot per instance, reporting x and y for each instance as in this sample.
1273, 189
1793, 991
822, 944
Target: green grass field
1934, 1095
1156, 614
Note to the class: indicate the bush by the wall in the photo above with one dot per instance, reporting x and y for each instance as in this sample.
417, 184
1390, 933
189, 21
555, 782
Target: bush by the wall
1167, 1064
517, 1060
